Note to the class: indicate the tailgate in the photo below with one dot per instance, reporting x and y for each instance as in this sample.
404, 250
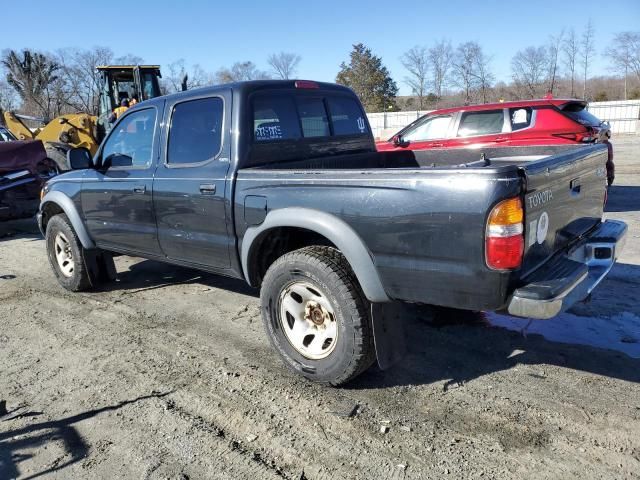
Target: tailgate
564, 199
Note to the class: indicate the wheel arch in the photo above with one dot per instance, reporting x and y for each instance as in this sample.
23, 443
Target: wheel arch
321, 227
56, 202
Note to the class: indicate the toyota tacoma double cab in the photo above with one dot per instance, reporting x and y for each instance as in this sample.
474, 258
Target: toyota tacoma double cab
279, 183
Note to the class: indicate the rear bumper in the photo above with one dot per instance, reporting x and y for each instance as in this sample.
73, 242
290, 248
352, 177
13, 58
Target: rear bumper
570, 277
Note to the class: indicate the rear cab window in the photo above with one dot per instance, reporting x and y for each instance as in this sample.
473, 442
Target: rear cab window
292, 116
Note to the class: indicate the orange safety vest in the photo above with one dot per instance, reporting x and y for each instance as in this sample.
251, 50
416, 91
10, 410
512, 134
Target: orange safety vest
119, 111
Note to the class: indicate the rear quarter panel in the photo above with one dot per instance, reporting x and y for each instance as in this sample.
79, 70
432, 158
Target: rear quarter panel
423, 229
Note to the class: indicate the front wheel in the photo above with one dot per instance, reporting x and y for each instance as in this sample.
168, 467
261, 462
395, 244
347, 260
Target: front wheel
316, 315
66, 254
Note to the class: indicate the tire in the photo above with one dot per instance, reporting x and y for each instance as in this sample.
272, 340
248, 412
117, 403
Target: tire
70, 269
59, 157
328, 338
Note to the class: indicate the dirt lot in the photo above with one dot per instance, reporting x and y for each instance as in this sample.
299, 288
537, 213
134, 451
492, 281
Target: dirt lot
167, 374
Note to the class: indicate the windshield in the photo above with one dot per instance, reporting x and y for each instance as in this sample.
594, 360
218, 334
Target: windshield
579, 113
5, 135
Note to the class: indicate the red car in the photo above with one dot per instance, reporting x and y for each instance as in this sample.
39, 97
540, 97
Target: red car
531, 122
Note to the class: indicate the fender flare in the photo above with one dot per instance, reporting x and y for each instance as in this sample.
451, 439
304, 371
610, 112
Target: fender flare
67, 205
329, 226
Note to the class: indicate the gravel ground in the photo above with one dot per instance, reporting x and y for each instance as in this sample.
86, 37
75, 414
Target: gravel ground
167, 374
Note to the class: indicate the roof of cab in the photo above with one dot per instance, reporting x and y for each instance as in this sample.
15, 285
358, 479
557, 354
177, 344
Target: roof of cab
250, 86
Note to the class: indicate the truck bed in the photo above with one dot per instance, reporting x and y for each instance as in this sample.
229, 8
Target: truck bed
413, 207
496, 157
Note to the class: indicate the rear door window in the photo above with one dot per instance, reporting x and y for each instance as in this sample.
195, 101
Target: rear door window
275, 118
196, 131
481, 123
520, 118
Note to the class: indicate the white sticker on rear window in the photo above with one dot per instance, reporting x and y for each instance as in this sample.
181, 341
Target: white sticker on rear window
272, 132
361, 124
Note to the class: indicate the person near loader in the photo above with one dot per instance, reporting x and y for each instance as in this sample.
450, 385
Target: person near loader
124, 106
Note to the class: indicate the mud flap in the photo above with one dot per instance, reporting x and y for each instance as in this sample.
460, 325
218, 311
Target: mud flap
388, 334
100, 266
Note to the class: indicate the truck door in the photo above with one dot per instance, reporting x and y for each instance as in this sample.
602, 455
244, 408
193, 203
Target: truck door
190, 188
117, 201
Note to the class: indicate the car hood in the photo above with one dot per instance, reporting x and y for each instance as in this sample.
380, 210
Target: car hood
21, 155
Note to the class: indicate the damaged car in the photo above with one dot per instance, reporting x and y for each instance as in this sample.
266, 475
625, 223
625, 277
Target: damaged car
24, 168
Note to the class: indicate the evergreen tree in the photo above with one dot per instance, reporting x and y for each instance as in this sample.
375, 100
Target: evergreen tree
369, 78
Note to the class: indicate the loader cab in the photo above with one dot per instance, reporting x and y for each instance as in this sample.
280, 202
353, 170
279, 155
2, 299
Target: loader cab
119, 82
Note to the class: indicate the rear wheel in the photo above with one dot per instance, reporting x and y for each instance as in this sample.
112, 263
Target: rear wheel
316, 315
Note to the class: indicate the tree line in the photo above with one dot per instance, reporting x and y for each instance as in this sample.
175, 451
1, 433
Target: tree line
66, 81
438, 75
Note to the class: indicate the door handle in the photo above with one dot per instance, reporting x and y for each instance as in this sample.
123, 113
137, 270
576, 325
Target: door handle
500, 139
140, 189
436, 145
208, 188
575, 185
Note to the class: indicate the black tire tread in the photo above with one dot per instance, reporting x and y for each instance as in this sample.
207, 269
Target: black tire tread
333, 263
81, 280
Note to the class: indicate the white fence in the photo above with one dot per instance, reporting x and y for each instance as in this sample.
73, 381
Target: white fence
624, 116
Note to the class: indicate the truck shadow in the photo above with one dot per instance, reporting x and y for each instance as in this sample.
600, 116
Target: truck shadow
25, 228
461, 347
153, 275
16, 444
623, 198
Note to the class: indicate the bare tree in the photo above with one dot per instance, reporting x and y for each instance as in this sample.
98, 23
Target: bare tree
553, 52
80, 88
470, 70
240, 71
416, 61
587, 52
463, 64
440, 56
484, 76
284, 64
570, 49
624, 55
529, 69
8, 100
32, 75
128, 59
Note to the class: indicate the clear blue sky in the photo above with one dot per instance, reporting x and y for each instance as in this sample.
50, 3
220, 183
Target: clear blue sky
216, 34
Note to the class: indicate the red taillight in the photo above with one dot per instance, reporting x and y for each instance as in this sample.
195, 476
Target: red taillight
504, 235
505, 253
306, 84
575, 137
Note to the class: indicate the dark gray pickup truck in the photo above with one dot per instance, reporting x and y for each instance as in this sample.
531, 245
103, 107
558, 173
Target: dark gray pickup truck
279, 183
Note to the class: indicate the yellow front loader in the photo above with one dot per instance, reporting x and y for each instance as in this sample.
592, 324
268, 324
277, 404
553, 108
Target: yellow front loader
118, 82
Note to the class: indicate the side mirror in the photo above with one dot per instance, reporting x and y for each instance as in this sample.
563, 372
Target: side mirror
117, 160
79, 158
398, 141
